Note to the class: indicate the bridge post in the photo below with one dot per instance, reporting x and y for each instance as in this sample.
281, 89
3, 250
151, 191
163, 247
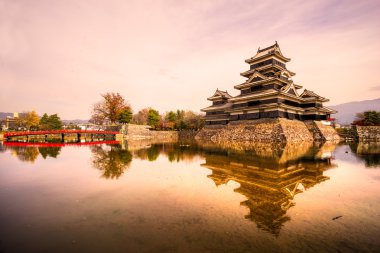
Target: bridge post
62, 137
46, 136
78, 137
92, 137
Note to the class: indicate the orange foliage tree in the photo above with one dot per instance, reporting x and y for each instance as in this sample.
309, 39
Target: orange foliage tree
109, 108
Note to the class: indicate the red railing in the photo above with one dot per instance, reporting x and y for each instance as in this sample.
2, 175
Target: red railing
47, 144
24, 133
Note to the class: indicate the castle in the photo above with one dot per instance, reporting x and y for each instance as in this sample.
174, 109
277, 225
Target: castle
268, 92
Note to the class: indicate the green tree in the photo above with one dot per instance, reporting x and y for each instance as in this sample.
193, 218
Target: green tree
171, 116
372, 118
367, 118
168, 120
153, 118
54, 122
125, 116
44, 122
109, 109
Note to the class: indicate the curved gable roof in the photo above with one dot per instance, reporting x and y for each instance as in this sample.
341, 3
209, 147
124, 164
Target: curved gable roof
220, 95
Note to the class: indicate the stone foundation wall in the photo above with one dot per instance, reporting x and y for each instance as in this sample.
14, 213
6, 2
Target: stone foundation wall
164, 136
207, 132
261, 130
143, 132
321, 132
268, 130
295, 130
187, 135
367, 133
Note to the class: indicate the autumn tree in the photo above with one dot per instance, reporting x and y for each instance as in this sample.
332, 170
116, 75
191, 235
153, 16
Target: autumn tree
28, 120
193, 121
141, 118
109, 108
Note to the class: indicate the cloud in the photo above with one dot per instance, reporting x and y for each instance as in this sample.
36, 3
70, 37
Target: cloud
58, 56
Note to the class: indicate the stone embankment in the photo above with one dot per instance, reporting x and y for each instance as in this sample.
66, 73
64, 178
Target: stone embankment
262, 130
269, 130
142, 132
187, 135
366, 133
322, 132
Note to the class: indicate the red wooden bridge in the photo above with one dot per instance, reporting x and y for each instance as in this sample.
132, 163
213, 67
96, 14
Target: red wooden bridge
62, 133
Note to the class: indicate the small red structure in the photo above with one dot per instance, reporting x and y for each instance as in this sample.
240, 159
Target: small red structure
47, 144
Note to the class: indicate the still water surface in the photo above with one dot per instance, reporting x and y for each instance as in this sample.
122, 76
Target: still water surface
142, 197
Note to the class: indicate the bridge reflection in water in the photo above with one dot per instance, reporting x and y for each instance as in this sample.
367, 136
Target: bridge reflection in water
62, 135
29, 151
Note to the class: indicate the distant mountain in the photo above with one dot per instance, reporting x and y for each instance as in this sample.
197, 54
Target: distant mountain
4, 115
347, 111
75, 121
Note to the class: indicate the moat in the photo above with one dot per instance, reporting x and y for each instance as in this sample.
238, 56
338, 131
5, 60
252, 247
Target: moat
188, 197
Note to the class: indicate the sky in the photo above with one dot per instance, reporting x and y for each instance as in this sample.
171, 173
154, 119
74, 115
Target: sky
60, 56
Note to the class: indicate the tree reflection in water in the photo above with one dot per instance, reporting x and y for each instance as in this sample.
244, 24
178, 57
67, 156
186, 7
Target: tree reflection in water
270, 175
175, 152
112, 160
49, 151
150, 153
24, 153
31, 153
369, 152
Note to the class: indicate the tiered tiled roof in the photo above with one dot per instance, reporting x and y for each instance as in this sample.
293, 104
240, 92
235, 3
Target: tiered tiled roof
268, 92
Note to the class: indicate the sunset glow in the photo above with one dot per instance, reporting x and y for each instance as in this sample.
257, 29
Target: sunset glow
59, 56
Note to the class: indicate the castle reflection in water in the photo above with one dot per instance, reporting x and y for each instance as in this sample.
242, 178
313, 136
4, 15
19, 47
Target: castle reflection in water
269, 175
